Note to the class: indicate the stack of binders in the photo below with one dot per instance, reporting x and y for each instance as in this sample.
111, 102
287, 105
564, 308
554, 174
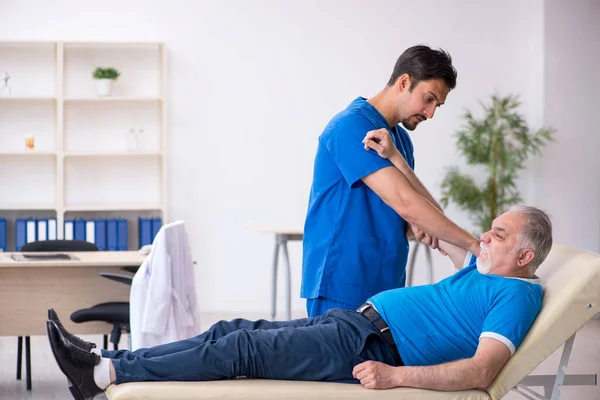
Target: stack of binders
107, 234
30, 230
148, 228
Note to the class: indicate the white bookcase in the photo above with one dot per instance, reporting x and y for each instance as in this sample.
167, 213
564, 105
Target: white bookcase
84, 163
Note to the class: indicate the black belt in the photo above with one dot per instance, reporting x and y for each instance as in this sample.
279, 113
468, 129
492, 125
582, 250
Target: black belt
370, 313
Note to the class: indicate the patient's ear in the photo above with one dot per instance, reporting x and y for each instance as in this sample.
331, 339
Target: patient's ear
525, 256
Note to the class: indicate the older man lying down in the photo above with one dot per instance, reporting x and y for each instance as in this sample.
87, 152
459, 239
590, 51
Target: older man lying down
453, 335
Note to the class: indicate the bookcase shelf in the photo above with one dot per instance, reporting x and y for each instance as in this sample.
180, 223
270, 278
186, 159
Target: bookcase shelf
24, 100
104, 207
93, 157
27, 207
112, 99
116, 154
28, 154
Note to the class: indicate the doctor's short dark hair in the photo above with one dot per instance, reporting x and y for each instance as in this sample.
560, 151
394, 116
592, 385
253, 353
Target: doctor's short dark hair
423, 63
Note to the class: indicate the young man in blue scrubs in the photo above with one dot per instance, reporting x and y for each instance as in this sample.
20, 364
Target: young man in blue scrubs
453, 335
355, 234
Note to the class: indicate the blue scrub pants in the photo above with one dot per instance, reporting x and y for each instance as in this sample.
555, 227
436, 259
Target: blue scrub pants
324, 348
318, 306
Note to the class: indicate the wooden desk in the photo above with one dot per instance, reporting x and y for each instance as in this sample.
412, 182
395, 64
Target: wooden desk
29, 288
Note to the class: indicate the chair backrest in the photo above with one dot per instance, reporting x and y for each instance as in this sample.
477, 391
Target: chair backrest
59, 245
571, 283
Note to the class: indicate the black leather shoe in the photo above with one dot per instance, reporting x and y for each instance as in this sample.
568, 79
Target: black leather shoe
82, 344
77, 364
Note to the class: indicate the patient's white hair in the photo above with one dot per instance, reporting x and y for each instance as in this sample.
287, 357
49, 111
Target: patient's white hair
536, 235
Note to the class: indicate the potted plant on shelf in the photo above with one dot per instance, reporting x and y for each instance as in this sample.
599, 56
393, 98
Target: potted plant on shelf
105, 78
499, 143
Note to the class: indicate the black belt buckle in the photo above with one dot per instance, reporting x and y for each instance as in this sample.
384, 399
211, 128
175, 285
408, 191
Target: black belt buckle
370, 313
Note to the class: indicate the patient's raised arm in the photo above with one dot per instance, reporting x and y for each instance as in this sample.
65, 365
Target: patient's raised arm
456, 254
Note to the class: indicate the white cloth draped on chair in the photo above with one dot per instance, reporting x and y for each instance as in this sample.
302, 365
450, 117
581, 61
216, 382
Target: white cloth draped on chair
163, 301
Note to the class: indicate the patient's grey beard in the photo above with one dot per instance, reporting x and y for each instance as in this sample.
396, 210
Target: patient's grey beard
484, 267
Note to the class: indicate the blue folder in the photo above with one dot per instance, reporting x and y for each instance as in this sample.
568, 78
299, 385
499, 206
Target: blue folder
79, 229
100, 234
2, 234
122, 242
111, 234
156, 224
145, 231
20, 233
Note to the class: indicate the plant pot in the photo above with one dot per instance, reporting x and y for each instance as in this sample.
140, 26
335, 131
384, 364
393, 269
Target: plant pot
104, 87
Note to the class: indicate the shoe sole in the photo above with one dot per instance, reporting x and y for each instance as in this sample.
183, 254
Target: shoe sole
72, 388
75, 393
87, 346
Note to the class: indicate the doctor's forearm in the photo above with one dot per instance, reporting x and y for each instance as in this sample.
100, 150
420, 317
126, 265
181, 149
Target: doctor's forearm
403, 167
420, 212
396, 191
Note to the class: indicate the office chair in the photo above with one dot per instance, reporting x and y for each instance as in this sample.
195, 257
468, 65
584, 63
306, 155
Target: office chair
115, 313
45, 246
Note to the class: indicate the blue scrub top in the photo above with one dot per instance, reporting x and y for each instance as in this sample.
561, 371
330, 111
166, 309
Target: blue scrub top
434, 324
354, 244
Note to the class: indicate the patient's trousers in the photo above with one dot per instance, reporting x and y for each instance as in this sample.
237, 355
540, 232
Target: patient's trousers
324, 348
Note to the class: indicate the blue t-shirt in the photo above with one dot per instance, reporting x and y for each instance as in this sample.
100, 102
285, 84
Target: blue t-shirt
443, 322
354, 244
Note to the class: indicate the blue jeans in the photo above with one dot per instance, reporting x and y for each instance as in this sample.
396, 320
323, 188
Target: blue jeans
324, 348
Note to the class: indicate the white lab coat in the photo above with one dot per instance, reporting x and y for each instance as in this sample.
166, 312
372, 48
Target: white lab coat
163, 302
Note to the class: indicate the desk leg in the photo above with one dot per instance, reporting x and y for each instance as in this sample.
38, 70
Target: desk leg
19, 356
28, 361
274, 277
288, 299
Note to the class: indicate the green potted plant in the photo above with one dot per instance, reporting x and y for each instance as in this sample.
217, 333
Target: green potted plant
105, 78
500, 143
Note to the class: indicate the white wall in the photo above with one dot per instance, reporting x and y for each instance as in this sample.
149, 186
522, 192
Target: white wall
253, 83
569, 186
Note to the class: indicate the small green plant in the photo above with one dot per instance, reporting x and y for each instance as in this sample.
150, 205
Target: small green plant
500, 142
106, 73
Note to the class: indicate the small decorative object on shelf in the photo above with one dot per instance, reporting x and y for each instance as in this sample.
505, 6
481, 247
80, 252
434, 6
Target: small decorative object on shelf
30, 143
6, 89
132, 140
105, 78
140, 139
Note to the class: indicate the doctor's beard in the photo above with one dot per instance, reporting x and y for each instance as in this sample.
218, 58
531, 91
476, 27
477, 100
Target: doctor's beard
484, 266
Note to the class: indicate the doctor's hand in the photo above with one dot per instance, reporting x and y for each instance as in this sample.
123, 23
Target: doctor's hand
375, 375
381, 141
425, 238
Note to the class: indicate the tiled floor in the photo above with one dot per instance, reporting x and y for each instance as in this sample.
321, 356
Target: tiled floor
50, 384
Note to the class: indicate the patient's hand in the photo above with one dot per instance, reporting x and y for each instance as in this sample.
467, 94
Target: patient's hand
428, 240
375, 375
381, 141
